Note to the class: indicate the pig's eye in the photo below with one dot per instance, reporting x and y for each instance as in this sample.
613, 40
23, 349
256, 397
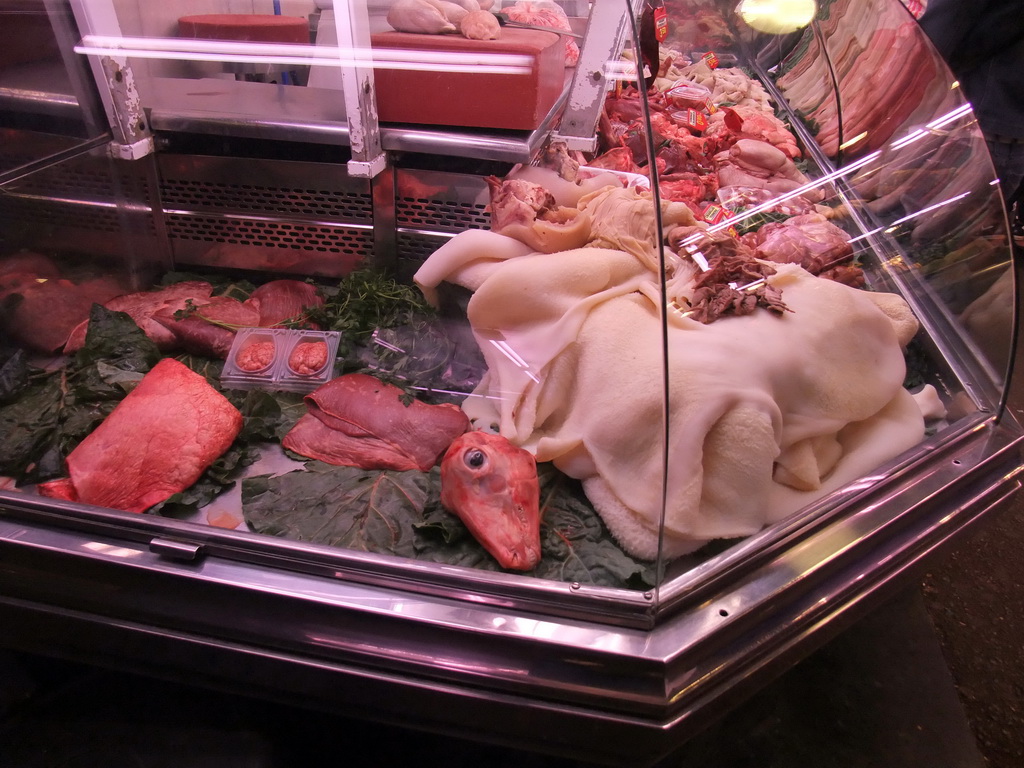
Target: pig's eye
475, 459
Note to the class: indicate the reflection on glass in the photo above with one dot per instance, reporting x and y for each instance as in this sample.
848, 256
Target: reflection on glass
777, 17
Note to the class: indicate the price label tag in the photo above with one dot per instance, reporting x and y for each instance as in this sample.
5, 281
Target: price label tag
692, 119
715, 214
660, 23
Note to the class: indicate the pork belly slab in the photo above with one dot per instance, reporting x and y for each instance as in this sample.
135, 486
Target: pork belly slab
359, 421
155, 443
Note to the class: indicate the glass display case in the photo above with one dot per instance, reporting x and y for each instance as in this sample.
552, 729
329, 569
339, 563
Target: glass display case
465, 367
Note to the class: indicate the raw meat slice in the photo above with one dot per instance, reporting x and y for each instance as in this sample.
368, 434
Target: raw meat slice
810, 240
22, 266
61, 488
359, 421
281, 300
141, 307
155, 443
42, 314
211, 329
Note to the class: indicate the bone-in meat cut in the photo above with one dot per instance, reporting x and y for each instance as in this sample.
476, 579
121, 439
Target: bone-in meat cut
359, 421
155, 443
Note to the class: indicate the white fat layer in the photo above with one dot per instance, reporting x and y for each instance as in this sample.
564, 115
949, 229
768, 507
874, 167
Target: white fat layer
766, 412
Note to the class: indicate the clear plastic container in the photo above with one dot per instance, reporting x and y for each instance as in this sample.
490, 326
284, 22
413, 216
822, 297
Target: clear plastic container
280, 359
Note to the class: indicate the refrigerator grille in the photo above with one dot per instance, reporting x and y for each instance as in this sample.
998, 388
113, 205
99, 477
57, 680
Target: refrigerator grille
319, 204
277, 234
442, 215
85, 182
44, 215
413, 250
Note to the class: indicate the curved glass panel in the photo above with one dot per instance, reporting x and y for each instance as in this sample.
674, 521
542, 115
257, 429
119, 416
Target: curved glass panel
915, 166
827, 170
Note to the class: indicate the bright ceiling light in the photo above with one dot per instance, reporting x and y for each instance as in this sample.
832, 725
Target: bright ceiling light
777, 17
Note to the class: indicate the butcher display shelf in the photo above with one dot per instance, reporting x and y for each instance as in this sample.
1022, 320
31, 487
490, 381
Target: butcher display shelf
570, 438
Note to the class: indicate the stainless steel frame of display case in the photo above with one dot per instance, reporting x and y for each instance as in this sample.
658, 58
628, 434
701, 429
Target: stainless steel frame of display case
605, 675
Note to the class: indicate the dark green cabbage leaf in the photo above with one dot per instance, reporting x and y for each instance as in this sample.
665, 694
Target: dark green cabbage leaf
400, 513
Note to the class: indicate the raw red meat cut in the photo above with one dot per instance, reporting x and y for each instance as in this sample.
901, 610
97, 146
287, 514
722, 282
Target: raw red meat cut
688, 188
730, 124
23, 266
359, 421
810, 240
281, 300
155, 443
42, 314
61, 488
142, 306
210, 330
617, 159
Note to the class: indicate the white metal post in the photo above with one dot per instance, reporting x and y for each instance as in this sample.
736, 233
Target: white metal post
353, 28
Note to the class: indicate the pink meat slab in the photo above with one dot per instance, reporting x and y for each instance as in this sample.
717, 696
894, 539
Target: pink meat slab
281, 300
359, 421
155, 443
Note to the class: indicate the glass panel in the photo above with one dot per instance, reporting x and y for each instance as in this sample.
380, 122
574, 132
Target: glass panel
297, 71
245, 224
920, 179
48, 105
826, 168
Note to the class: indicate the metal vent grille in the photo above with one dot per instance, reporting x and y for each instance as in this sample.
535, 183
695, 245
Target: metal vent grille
43, 216
320, 204
415, 247
441, 215
79, 183
272, 234
54, 228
